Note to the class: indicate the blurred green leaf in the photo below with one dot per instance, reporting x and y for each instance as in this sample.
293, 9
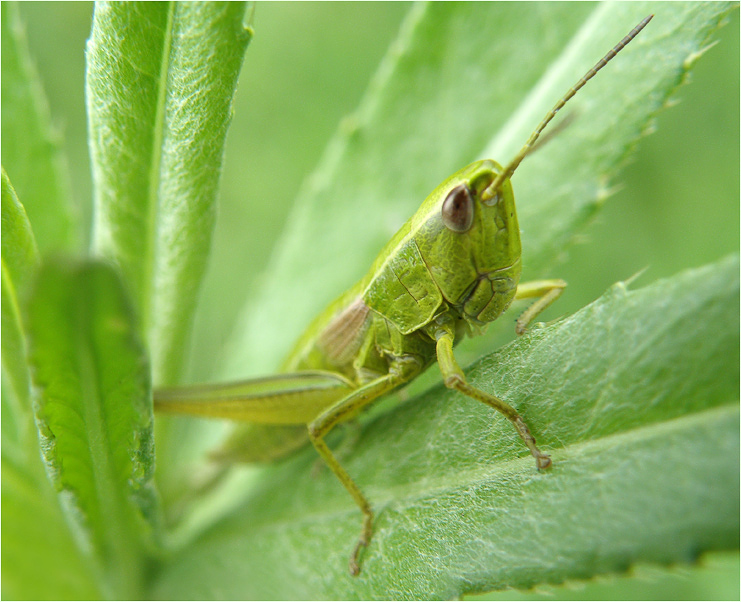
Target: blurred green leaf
40, 559
94, 414
634, 400
19, 250
464, 81
713, 577
31, 147
159, 101
19, 260
32, 525
33, 529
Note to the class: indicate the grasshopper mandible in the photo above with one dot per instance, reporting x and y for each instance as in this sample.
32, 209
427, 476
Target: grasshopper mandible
449, 271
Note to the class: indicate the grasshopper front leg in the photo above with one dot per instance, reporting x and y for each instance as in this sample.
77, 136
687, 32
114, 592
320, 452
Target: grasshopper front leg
547, 291
401, 370
454, 378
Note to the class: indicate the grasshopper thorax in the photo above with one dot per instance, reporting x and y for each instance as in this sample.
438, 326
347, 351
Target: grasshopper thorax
471, 243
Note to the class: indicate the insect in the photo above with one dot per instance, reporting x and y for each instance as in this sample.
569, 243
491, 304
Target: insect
453, 268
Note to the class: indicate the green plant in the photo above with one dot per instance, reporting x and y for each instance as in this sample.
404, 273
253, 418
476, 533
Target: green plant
635, 395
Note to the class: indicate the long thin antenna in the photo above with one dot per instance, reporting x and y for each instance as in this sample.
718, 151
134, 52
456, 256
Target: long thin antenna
491, 190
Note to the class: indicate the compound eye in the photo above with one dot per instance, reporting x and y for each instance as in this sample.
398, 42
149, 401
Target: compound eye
457, 212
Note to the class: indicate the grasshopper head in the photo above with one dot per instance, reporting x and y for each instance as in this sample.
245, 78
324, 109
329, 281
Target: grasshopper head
471, 243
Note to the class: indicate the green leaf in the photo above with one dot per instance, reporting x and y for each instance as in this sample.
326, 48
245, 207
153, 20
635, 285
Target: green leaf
159, 102
465, 81
713, 577
33, 528
94, 414
19, 260
31, 147
40, 559
636, 398
19, 251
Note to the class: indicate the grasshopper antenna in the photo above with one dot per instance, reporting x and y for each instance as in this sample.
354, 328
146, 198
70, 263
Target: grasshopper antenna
491, 190
544, 139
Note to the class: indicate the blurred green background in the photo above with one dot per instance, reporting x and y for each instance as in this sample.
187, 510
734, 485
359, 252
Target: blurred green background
308, 66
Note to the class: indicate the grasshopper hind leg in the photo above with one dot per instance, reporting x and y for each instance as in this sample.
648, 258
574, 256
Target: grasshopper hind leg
400, 371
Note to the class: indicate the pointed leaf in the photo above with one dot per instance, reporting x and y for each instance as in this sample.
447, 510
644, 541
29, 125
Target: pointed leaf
31, 146
94, 414
159, 101
19, 260
33, 529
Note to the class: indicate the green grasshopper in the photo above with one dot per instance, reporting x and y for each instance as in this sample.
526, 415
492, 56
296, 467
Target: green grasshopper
450, 270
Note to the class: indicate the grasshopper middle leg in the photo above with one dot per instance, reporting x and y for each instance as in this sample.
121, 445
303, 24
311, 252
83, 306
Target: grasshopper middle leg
401, 371
547, 292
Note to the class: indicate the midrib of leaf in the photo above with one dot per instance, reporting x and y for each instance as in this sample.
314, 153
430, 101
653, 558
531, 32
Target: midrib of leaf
120, 545
155, 174
430, 486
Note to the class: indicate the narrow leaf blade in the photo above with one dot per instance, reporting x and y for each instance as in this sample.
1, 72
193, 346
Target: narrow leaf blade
19, 260
159, 101
31, 146
33, 528
94, 414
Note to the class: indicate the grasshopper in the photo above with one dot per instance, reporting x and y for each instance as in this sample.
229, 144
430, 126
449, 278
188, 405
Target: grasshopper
450, 270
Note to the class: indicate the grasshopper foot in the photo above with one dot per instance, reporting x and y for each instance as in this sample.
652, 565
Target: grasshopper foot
354, 566
354, 562
542, 461
363, 541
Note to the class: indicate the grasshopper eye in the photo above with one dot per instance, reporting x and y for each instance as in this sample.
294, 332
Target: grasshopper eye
457, 211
